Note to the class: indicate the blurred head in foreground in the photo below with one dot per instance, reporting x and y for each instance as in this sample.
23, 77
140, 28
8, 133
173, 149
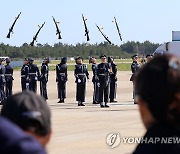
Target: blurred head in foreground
157, 88
31, 113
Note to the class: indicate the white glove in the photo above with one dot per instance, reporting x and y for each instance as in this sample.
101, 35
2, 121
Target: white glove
98, 84
79, 81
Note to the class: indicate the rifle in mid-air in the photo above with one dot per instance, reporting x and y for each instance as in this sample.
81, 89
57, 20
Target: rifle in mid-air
35, 36
11, 28
117, 28
58, 32
86, 29
106, 38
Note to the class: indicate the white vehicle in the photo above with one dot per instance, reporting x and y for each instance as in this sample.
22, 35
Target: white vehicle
170, 47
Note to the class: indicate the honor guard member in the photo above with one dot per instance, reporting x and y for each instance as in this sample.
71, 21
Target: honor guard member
2, 81
113, 79
149, 57
61, 79
44, 78
134, 67
25, 75
80, 74
103, 75
94, 80
9, 78
34, 75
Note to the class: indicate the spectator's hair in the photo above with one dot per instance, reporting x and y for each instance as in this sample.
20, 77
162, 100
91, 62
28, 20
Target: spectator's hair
29, 111
158, 84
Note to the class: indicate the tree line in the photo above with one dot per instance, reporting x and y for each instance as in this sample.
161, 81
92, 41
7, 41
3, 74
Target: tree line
58, 50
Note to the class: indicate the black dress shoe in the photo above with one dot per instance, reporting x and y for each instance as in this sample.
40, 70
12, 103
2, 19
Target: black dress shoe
94, 102
60, 101
106, 106
102, 106
135, 103
113, 101
82, 104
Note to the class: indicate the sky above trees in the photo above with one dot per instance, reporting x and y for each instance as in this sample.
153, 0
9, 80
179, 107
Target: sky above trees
139, 20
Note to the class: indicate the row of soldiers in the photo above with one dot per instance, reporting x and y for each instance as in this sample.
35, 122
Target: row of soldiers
104, 79
30, 74
6, 80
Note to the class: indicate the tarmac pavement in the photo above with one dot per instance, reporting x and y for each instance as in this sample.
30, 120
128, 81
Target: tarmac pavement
84, 130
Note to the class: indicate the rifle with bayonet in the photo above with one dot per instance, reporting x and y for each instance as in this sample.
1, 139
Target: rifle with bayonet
11, 28
86, 29
35, 37
58, 32
118, 28
106, 38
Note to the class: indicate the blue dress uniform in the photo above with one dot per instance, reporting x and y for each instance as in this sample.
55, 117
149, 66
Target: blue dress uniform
44, 78
113, 82
2, 81
61, 79
103, 75
113, 79
80, 73
34, 75
134, 67
9, 78
25, 75
95, 82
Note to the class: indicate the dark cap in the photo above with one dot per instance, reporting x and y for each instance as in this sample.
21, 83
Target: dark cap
64, 60
1, 59
25, 59
29, 111
110, 59
30, 59
102, 56
47, 59
8, 60
134, 56
149, 55
78, 58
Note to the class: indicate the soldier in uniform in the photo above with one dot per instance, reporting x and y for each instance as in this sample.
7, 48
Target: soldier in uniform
34, 75
44, 78
103, 75
2, 82
25, 75
95, 80
148, 57
113, 79
61, 79
134, 67
80, 74
9, 78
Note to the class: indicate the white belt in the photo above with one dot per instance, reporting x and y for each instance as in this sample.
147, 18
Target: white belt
81, 74
32, 73
8, 74
103, 74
